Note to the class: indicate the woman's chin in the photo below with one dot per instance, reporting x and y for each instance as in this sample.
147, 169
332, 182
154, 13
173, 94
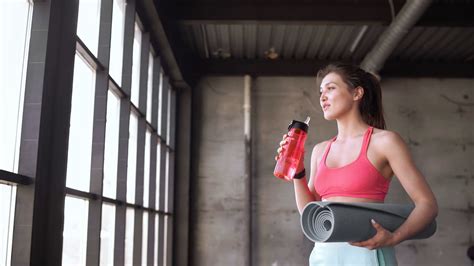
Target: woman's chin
328, 116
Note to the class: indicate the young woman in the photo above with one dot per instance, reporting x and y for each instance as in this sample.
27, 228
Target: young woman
357, 166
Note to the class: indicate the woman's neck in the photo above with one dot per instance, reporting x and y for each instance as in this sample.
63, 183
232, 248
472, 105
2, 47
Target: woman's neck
350, 126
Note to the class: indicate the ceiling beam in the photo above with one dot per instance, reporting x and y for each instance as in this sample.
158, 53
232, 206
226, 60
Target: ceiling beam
428, 69
310, 67
175, 58
438, 14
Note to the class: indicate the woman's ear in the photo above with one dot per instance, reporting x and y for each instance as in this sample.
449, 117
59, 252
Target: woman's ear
358, 93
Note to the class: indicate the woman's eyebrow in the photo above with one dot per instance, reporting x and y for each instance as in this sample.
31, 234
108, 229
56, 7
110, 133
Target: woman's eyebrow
326, 84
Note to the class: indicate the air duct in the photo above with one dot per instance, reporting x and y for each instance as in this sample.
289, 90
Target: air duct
403, 22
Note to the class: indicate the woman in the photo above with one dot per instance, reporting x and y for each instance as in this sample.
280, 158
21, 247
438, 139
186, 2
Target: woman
357, 166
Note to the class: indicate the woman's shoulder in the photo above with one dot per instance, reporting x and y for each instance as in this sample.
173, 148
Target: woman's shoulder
386, 138
321, 146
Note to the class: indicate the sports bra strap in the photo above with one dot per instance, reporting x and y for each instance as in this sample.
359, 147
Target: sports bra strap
365, 144
328, 147
363, 151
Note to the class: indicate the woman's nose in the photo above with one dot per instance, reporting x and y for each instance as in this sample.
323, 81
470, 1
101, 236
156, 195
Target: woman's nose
322, 97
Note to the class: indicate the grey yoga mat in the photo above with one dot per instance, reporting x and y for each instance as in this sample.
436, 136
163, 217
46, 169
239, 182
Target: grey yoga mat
325, 221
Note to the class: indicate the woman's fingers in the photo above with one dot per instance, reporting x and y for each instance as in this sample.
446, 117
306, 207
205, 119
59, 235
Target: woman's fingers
281, 149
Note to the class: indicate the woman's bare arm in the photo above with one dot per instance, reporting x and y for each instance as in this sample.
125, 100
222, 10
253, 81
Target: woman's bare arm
414, 183
426, 209
304, 191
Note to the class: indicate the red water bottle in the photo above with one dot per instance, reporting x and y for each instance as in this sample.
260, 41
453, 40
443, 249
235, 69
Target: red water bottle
288, 162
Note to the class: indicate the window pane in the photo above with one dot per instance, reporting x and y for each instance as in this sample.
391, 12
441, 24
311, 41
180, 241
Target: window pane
167, 179
129, 226
168, 116
75, 231
137, 48
145, 238
171, 118
158, 174
169, 240
160, 102
116, 45
111, 145
15, 22
88, 24
164, 107
80, 130
166, 244
7, 209
107, 234
132, 158
149, 88
146, 175
155, 256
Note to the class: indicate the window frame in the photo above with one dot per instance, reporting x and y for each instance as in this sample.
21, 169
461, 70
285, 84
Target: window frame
26, 180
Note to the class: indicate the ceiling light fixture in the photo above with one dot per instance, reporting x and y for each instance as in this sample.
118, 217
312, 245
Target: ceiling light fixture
221, 54
271, 54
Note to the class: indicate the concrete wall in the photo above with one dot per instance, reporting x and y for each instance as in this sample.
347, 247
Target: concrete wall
217, 227
435, 117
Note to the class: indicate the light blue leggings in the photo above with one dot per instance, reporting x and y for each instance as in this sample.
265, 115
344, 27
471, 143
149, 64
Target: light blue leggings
342, 253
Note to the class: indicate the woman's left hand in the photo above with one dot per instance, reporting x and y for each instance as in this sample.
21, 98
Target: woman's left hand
382, 238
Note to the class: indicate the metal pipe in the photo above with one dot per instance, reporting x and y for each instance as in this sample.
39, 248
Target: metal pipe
248, 160
358, 38
403, 22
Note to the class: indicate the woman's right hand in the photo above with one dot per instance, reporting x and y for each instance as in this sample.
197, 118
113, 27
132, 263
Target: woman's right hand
283, 144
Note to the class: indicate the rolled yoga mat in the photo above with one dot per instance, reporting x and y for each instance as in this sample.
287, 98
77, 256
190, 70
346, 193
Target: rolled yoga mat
325, 221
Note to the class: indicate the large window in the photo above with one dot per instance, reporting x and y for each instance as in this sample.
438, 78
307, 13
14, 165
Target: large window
15, 23
108, 142
80, 131
158, 173
116, 44
7, 207
146, 176
137, 49
15, 27
156, 239
166, 246
149, 88
111, 144
129, 230
107, 234
88, 23
132, 157
75, 231
160, 100
145, 238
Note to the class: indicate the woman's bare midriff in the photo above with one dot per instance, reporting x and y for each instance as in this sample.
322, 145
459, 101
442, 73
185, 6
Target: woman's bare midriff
350, 199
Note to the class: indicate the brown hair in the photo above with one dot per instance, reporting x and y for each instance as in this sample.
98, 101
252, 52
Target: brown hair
370, 106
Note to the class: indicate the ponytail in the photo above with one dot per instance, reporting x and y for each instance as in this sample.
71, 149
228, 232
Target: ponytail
371, 107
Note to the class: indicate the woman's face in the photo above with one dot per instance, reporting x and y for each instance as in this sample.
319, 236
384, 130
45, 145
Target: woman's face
335, 97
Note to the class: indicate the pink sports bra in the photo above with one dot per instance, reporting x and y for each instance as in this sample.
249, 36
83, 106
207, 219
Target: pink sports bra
359, 179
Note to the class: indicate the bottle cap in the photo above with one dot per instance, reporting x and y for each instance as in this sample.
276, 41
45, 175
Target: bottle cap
301, 125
